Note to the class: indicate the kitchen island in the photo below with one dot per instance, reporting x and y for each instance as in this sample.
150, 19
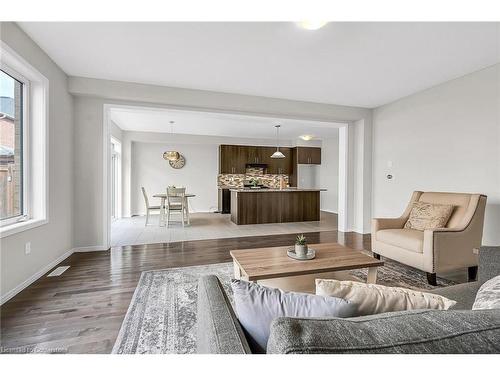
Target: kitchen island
262, 206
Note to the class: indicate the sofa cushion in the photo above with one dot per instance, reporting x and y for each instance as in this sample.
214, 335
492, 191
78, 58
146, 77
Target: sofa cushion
425, 215
414, 332
409, 239
464, 294
488, 296
256, 307
376, 299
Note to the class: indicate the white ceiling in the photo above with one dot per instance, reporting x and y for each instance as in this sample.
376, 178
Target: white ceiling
218, 124
358, 64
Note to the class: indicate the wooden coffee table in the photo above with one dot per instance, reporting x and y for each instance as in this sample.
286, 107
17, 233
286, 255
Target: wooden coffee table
273, 262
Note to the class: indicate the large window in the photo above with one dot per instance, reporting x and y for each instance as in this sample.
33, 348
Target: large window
24, 104
13, 207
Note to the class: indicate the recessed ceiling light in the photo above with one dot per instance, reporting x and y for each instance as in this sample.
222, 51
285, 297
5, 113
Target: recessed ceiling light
312, 25
306, 137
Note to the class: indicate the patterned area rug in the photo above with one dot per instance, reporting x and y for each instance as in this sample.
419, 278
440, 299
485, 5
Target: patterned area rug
162, 314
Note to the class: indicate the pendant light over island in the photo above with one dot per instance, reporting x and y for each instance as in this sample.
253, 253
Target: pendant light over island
277, 154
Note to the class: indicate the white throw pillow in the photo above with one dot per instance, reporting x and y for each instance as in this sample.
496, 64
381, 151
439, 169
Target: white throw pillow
375, 299
488, 296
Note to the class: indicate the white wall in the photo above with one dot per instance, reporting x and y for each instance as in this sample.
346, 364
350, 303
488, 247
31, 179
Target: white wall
446, 138
329, 174
199, 175
54, 240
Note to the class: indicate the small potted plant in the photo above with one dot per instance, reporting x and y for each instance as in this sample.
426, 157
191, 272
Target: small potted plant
301, 246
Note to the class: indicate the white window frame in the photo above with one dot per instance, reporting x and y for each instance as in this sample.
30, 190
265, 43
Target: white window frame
35, 143
26, 213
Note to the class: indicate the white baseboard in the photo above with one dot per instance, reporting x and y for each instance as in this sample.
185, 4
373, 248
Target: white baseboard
360, 231
330, 211
11, 293
86, 249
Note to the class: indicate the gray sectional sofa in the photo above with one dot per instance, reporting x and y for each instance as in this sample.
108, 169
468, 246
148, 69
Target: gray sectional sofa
460, 330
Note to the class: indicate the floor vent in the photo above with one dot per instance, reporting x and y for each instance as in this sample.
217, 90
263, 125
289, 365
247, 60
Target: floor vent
58, 271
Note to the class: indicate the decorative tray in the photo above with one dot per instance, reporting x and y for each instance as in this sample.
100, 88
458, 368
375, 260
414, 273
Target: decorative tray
311, 254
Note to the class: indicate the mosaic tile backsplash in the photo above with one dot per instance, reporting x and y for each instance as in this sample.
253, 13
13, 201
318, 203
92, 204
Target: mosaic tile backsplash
237, 180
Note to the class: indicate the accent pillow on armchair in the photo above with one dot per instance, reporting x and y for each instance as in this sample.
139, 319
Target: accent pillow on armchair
425, 215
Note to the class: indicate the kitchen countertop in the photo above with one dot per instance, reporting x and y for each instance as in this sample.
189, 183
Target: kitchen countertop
285, 190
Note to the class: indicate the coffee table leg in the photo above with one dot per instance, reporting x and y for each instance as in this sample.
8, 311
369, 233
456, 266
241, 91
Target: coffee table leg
237, 271
372, 275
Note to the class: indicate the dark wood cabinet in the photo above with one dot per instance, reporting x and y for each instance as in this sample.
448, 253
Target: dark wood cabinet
308, 155
279, 166
255, 154
232, 159
274, 207
300, 206
316, 155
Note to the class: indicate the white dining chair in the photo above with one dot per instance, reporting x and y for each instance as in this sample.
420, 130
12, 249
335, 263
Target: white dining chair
176, 202
148, 207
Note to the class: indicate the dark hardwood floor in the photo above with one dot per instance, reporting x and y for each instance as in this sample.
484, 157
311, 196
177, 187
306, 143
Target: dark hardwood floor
81, 311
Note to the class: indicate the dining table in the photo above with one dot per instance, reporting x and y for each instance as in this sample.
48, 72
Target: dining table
163, 197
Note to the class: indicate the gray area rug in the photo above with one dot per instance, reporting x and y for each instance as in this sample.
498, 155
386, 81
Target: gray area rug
161, 317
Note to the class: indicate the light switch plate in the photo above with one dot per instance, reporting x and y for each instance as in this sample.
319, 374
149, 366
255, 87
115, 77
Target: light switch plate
27, 248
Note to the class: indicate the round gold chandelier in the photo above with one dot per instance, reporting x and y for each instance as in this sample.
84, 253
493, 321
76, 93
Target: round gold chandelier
171, 155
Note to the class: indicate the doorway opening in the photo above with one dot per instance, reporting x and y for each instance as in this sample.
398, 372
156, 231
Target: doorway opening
138, 173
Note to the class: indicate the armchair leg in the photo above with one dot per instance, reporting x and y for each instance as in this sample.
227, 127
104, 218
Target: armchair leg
472, 271
376, 256
431, 279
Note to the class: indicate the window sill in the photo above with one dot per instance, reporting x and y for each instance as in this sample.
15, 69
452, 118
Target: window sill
11, 229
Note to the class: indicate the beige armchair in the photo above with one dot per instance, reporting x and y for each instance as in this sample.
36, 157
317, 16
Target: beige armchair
437, 250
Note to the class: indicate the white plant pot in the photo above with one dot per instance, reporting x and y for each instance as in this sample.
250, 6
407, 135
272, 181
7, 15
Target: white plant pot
301, 250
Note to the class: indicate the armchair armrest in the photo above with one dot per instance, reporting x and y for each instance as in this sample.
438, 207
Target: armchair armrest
387, 223
448, 248
397, 222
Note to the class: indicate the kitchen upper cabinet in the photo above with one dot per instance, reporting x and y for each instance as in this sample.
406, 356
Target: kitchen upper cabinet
232, 159
279, 166
255, 154
308, 155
